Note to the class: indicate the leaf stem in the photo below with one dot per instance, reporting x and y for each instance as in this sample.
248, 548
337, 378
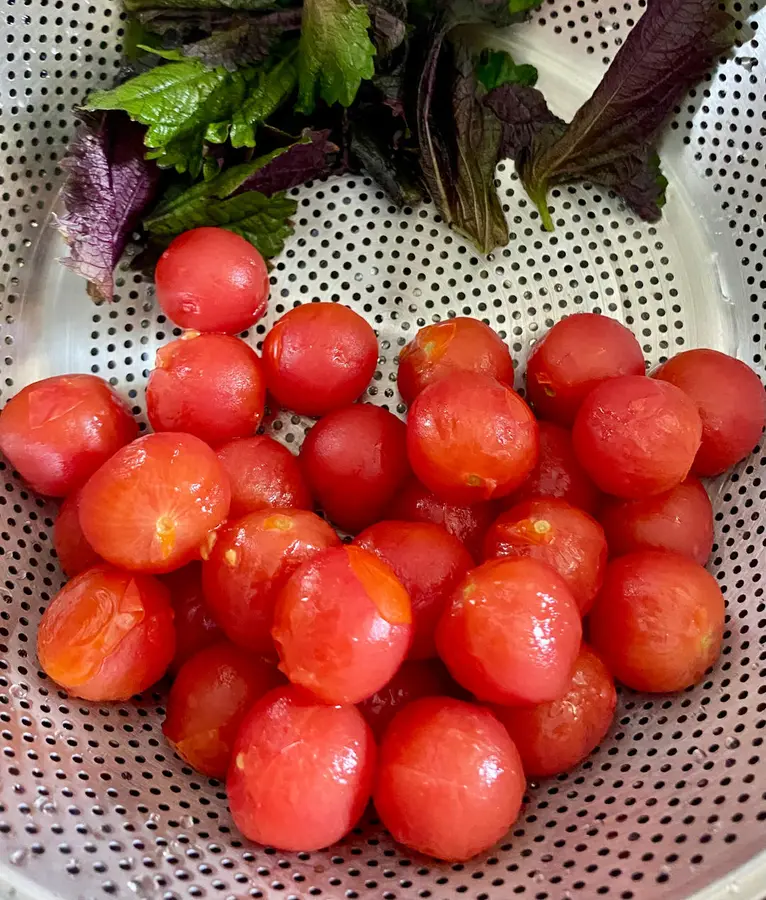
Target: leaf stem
538, 193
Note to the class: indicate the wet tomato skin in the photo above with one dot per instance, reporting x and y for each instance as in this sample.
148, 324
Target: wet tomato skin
658, 622
731, 403
58, 431
554, 532
208, 385
471, 438
461, 344
450, 781
195, 626
107, 634
75, 554
210, 279
263, 474
208, 701
355, 460
575, 356
154, 503
680, 520
319, 357
555, 737
429, 562
249, 563
301, 772
636, 436
342, 625
512, 632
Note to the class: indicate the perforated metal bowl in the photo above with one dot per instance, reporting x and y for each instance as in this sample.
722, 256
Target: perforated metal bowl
93, 804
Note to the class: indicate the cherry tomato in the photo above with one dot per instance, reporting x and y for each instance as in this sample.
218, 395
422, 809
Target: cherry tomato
355, 460
575, 356
208, 385
302, 772
429, 562
469, 524
471, 438
319, 357
210, 279
208, 701
195, 626
154, 503
731, 403
251, 560
74, 552
263, 474
555, 737
636, 436
450, 781
58, 431
460, 344
512, 632
553, 532
342, 625
658, 621
107, 634
680, 520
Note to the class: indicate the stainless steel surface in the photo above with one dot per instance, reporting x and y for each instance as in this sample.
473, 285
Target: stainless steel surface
92, 802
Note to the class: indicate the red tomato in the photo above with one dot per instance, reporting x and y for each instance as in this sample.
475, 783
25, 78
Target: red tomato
210, 279
471, 438
731, 403
301, 773
636, 436
319, 357
355, 460
208, 385
74, 552
553, 532
658, 621
153, 504
208, 701
263, 475
107, 634
58, 431
429, 562
469, 524
555, 737
251, 560
450, 781
512, 632
195, 626
460, 344
576, 355
342, 625
680, 520
558, 473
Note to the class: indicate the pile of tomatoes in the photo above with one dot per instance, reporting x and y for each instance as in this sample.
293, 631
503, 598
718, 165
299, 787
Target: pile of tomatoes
437, 659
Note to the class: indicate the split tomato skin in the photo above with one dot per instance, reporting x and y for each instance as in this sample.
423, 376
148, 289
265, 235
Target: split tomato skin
250, 562
471, 438
450, 781
511, 633
301, 772
576, 355
461, 344
658, 622
58, 431
107, 634
208, 701
195, 626
342, 625
208, 385
210, 279
74, 553
155, 502
319, 357
555, 737
636, 436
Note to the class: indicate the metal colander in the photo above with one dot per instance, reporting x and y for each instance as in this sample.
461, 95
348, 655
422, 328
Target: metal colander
93, 803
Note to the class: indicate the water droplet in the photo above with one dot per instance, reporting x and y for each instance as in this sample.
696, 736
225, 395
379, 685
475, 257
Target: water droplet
374, 270
18, 856
186, 821
748, 63
358, 276
46, 805
18, 789
18, 690
698, 755
732, 743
